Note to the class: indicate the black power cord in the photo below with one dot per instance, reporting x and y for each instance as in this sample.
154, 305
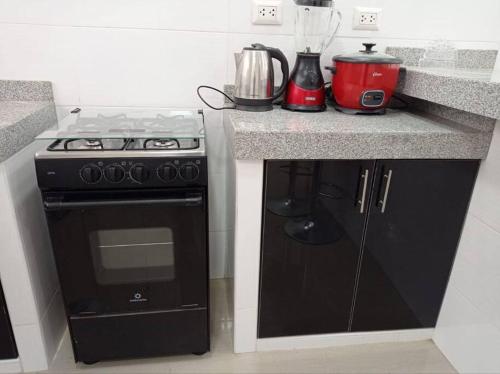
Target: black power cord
219, 91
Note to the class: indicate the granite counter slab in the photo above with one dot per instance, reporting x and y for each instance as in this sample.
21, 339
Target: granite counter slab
471, 90
282, 134
21, 122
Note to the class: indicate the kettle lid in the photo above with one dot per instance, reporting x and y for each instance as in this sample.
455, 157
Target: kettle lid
256, 47
368, 56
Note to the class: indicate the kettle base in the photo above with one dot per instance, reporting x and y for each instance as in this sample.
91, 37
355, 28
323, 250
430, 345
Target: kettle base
253, 105
254, 108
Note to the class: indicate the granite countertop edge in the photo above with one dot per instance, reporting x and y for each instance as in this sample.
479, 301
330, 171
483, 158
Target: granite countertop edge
452, 141
30, 121
26, 110
358, 147
463, 93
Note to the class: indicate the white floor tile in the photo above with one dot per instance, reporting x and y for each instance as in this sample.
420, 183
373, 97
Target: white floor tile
416, 357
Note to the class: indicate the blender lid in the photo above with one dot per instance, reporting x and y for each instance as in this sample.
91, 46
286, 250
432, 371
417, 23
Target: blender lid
368, 56
318, 3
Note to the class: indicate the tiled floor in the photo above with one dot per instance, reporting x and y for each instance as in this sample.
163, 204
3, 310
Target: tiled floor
418, 357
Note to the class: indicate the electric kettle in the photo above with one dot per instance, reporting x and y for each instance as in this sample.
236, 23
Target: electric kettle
254, 85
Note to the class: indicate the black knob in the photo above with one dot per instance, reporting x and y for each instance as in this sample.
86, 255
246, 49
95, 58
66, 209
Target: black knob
114, 173
167, 172
91, 174
189, 172
369, 47
139, 173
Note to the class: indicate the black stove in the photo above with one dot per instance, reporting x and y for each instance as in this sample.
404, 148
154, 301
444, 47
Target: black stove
92, 163
126, 203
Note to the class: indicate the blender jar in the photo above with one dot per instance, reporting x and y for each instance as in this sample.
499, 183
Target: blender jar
314, 25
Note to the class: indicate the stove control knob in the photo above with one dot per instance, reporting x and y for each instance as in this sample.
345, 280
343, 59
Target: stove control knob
167, 172
91, 173
189, 172
114, 173
139, 173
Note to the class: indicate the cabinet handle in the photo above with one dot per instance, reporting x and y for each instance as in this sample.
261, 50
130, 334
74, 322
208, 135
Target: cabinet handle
388, 178
364, 180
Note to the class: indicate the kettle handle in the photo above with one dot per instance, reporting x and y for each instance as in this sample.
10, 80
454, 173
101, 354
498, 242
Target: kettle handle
280, 56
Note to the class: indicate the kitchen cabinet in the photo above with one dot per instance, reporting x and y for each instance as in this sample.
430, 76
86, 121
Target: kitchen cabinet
7, 344
359, 245
312, 233
410, 243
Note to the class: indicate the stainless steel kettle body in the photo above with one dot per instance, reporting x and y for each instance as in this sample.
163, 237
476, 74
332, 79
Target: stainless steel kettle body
254, 84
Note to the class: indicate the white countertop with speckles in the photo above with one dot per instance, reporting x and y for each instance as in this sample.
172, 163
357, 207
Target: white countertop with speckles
471, 90
21, 122
12, 112
281, 134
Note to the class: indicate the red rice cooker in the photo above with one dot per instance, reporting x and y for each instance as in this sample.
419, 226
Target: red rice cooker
364, 81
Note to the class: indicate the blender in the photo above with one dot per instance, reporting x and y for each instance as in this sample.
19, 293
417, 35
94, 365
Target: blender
314, 31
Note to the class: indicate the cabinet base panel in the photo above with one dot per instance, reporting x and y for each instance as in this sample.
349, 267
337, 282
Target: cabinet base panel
344, 339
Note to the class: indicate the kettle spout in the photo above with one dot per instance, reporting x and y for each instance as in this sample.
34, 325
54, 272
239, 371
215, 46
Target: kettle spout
237, 59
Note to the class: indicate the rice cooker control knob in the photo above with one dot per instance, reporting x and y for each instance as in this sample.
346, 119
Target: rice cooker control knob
167, 172
91, 174
189, 172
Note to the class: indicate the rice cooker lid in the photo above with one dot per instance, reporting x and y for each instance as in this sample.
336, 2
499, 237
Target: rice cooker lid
368, 56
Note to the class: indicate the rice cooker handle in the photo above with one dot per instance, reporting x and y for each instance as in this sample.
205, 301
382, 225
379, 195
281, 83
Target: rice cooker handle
332, 69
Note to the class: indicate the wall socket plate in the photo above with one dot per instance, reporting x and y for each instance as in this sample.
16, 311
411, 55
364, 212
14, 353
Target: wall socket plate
366, 18
267, 12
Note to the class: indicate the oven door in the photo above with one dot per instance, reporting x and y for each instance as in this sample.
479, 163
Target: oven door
123, 251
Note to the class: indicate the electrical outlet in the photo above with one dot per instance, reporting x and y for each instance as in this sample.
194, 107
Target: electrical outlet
366, 18
267, 12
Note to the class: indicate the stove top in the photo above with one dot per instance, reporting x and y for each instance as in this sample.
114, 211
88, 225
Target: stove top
125, 123
99, 145
104, 132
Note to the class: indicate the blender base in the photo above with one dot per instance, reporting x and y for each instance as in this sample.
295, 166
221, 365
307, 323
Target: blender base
304, 108
306, 87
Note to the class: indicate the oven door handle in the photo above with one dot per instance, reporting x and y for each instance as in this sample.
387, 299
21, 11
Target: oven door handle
62, 205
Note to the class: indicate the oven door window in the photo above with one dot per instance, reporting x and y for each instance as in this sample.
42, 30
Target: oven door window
136, 255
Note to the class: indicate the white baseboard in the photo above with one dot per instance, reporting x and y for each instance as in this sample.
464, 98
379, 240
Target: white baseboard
10, 366
336, 340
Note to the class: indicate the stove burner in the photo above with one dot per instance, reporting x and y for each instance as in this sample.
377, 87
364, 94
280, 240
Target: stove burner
83, 144
163, 143
88, 145
94, 143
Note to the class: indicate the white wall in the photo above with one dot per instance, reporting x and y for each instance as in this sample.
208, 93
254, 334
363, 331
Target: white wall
468, 330
155, 53
27, 266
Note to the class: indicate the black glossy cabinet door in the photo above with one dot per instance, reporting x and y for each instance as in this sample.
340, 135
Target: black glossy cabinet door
7, 343
313, 220
417, 211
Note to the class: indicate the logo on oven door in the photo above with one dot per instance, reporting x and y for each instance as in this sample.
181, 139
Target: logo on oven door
138, 298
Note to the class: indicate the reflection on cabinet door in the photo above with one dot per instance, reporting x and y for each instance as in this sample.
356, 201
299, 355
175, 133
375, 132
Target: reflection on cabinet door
313, 219
416, 217
7, 343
